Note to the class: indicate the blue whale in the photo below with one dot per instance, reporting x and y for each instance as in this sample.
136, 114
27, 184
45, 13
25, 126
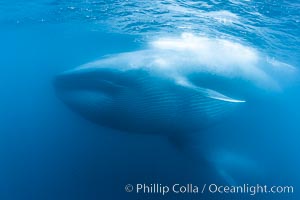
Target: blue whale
140, 102
174, 87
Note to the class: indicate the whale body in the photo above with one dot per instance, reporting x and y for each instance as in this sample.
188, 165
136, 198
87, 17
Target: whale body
176, 86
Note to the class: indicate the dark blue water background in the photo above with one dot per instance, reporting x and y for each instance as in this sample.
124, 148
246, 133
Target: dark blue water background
49, 152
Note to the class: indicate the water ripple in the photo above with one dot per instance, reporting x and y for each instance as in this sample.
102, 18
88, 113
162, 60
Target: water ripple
271, 25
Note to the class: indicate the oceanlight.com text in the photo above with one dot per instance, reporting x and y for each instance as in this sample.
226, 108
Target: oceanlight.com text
164, 189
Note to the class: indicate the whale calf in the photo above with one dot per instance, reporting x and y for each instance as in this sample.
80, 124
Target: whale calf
176, 86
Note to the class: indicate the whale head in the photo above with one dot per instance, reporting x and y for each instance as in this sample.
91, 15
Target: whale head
91, 92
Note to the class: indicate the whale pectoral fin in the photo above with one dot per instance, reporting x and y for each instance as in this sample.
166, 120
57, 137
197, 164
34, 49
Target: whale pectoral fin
206, 91
217, 95
216, 104
208, 103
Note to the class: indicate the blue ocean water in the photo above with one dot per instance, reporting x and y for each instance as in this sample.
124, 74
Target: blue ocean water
50, 152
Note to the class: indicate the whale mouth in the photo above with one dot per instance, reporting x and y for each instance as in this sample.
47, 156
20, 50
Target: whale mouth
86, 88
90, 91
100, 80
